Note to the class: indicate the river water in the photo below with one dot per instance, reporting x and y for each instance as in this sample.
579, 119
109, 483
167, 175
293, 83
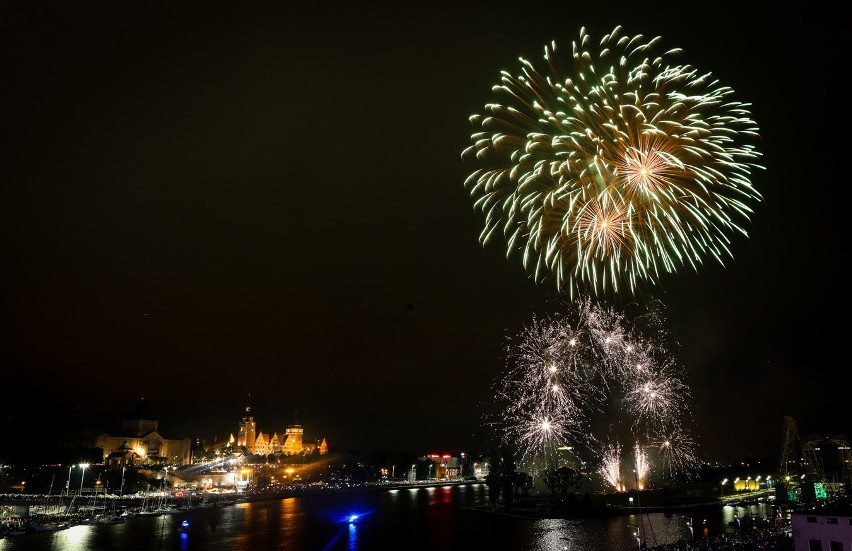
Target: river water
430, 518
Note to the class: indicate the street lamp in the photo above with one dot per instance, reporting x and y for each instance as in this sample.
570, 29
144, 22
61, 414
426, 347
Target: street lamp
723, 486
82, 475
691, 532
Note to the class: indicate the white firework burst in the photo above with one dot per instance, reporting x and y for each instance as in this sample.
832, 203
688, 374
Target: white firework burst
581, 378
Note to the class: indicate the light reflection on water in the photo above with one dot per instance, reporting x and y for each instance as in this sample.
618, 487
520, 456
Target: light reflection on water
353, 537
414, 519
618, 533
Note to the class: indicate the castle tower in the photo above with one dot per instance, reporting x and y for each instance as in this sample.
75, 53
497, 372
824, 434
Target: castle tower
246, 433
293, 440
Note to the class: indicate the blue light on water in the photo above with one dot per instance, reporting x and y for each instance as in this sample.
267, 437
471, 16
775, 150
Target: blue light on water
355, 516
353, 537
351, 522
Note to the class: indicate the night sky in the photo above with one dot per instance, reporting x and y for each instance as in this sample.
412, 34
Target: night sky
201, 203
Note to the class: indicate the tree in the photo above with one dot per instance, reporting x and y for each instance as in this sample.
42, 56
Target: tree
523, 482
134, 481
502, 476
493, 479
561, 480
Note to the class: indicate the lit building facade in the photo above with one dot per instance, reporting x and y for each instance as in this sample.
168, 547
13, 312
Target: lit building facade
292, 442
481, 469
443, 466
139, 442
246, 434
828, 529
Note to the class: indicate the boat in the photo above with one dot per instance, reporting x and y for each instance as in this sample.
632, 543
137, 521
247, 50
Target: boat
111, 519
50, 526
150, 508
168, 510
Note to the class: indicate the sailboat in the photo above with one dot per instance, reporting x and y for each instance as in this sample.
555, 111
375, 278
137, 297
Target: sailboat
148, 509
93, 517
127, 513
166, 505
113, 516
47, 522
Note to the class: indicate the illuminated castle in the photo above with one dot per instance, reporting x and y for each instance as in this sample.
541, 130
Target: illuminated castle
259, 443
293, 440
246, 434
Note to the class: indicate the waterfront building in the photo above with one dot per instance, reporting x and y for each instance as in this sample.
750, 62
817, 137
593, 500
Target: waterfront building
124, 456
265, 444
261, 443
139, 442
293, 440
443, 466
826, 529
481, 469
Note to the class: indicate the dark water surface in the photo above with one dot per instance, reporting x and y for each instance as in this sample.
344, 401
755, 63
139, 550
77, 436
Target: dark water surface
434, 518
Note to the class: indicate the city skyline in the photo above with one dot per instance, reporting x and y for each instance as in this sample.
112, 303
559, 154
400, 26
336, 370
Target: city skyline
206, 204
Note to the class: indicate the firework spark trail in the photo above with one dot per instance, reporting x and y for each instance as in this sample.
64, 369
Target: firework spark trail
610, 467
655, 394
677, 450
571, 372
613, 165
543, 395
641, 465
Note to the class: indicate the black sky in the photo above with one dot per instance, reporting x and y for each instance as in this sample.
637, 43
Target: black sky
202, 202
